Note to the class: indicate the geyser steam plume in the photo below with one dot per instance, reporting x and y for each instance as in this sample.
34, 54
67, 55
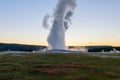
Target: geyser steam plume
62, 20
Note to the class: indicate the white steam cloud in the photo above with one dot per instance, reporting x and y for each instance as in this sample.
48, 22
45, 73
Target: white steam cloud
62, 21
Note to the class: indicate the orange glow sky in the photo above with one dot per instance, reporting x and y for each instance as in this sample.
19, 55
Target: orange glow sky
95, 22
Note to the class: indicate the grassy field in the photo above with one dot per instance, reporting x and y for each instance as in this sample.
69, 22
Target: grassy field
58, 67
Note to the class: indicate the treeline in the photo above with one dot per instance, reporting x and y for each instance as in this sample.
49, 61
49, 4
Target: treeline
102, 48
20, 47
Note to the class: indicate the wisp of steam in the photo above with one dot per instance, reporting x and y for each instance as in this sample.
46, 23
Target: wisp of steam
62, 21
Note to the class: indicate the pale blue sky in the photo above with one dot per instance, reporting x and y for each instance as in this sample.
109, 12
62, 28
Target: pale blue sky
95, 22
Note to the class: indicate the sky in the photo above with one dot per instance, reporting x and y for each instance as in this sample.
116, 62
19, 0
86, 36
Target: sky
95, 22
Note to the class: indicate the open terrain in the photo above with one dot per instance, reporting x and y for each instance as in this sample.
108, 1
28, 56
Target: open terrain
58, 67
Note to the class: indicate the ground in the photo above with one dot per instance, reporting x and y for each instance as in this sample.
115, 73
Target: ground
58, 67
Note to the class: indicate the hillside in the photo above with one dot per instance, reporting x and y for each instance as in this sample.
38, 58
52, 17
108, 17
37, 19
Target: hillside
23, 47
20, 47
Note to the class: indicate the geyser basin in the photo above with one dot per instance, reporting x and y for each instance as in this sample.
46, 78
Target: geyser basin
64, 11
62, 51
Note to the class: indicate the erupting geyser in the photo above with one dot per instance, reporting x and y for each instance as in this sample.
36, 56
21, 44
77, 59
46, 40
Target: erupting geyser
62, 20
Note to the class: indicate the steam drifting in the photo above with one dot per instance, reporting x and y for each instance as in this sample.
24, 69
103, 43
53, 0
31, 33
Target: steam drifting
62, 21
45, 21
